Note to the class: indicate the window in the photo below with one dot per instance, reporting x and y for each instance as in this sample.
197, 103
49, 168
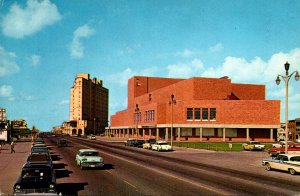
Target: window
137, 117
149, 116
197, 113
204, 113
189, 113
213, 112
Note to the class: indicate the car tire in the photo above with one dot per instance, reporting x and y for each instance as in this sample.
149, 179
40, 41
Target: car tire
81, 167
292, 171
268, 167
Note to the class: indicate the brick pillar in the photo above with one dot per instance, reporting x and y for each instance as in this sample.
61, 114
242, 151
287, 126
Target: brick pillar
224, 134
178, 134
247, 134
200, 134
271, 135
167, 134
157, 133
150, 133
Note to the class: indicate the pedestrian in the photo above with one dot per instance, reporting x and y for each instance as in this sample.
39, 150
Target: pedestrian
12, 147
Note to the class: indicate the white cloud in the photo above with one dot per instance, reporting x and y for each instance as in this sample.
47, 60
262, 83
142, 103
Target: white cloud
77, 49
64, 102
216, 48
34, 60
186, 53
256, 70
185, 70
21, 22
121, 78
8, 63
6, 91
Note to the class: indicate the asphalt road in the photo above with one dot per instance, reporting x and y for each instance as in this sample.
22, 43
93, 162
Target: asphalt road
132, 171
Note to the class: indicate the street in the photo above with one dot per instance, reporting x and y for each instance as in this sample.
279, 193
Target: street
135, 171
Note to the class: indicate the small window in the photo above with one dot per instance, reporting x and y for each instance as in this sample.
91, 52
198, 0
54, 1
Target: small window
189, 113
204, 113
197, 113
212, 114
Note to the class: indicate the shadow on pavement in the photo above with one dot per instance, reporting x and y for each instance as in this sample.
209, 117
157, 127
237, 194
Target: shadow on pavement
70, 188
59, 165
55, 157
62, 173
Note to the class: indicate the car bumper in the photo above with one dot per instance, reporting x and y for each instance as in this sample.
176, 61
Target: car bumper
92, 165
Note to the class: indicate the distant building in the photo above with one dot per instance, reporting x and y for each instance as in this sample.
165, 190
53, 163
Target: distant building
206, 109
294, 129
88, 106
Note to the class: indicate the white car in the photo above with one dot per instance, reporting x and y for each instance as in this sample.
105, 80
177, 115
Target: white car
161, 146
88, 158
281, 144
285, 162
92, 137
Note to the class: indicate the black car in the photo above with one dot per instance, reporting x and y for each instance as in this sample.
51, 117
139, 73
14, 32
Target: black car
39, 159
37, 179
42, 150
130, 142
139, 143
62, 142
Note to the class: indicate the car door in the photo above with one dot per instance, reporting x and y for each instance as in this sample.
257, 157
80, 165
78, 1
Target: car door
276, 162
283, 163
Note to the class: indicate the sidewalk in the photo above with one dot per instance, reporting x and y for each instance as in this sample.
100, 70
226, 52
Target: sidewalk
11, 165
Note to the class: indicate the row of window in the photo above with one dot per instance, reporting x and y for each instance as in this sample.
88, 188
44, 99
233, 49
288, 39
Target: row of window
197, 114
201, 114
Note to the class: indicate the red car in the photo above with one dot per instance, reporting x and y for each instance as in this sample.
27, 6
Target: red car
292, 148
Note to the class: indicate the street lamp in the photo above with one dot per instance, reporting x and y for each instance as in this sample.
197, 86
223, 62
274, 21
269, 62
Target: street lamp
286, 79
171, 103
137, 110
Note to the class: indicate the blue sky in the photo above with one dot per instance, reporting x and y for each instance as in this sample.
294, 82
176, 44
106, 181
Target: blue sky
44, 44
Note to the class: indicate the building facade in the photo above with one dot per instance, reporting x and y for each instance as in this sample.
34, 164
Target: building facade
196, 109
88, 106
294, 129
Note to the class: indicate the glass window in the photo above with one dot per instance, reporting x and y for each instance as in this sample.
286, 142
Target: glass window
197, 114
212, 113
204, 113
189, 113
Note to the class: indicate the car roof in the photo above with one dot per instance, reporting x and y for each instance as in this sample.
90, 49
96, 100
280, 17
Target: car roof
87, 150
291, 155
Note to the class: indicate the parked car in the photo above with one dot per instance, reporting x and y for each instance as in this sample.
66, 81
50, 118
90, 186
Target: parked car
284, 162
292, 149
281, 144
36, 179
161, 146
88, 158
139, 143
92, 137
253, 145
39, 159
148, 144
130, 142
40, 150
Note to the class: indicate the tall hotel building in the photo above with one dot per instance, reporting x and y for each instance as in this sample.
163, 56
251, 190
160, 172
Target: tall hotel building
196, 109
88, 106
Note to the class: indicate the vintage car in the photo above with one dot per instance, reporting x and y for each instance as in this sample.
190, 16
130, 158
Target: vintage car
284, 162
130, 142
281, 144
161, 146
292, 149
40, 150
36, 179
39, 159
88, 158
92, 137
148, 144
253, 145
62, 142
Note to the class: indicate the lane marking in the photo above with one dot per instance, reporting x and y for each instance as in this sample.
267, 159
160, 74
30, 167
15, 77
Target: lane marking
130, 184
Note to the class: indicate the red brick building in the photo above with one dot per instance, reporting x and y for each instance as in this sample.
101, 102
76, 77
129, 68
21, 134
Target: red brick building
203, 109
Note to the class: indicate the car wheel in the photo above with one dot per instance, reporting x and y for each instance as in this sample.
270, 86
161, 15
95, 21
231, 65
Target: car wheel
292, 171
81, 167
268, 167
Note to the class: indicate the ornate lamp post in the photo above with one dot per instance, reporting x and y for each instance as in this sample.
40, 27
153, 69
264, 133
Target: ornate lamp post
286, 79
171, 103
136, 117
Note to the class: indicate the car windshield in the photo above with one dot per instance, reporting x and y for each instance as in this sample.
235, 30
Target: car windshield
36, 173
163, 143
89, 154
36, 149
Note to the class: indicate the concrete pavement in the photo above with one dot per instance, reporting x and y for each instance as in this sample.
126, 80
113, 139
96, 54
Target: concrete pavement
11, 165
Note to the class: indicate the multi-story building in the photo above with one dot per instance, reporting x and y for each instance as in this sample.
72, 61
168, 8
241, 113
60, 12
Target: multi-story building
88, 106
196, 109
